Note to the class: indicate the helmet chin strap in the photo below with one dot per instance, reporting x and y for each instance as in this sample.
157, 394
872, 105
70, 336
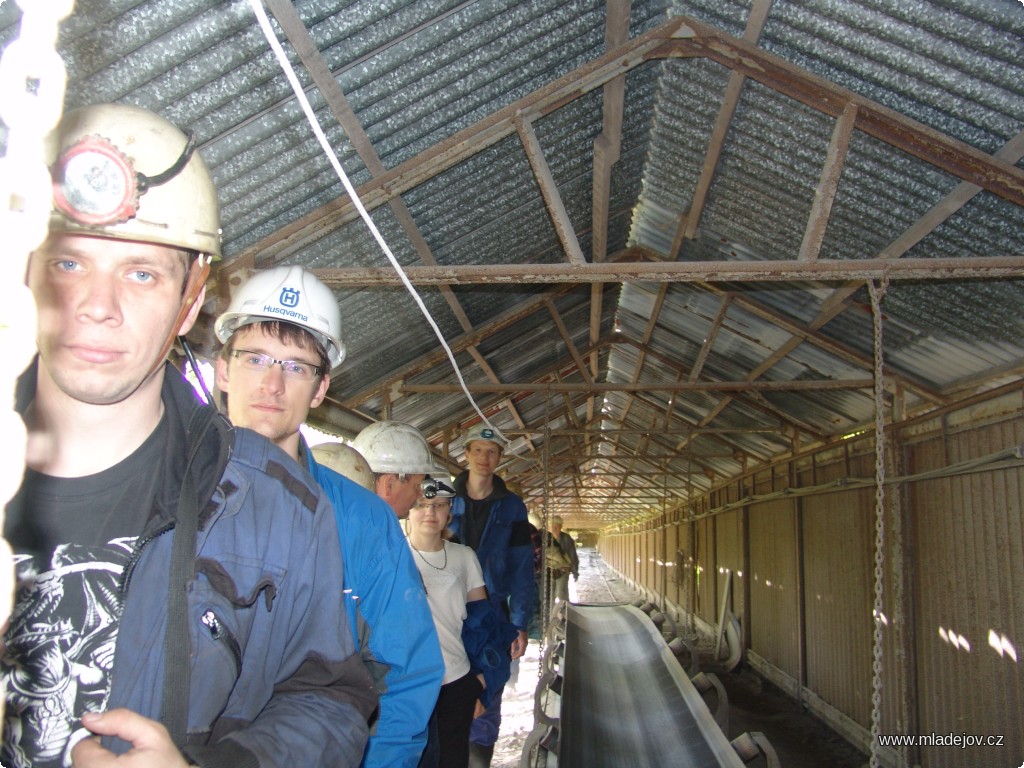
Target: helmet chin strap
197, 274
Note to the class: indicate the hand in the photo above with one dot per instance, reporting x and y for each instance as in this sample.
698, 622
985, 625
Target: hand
519, 645
151, 743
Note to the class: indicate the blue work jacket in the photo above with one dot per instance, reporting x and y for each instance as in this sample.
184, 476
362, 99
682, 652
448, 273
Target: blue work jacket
275, 680
505, 552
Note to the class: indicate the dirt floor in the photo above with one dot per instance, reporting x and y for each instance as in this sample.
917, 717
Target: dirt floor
799, 739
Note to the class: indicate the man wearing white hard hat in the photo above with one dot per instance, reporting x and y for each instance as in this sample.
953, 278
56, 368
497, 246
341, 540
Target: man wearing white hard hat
282, 339
403, 464
346, 461
493, 521
171, 569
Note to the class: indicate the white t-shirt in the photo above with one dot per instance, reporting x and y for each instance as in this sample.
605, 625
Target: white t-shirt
449, 574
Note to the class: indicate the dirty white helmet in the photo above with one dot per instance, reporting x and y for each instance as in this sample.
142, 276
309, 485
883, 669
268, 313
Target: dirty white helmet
346, 461
482, 431
292, 295
392, 447
125, 172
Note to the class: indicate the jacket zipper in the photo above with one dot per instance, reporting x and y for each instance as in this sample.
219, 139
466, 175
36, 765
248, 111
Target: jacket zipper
126, 577
222, 634
129, 568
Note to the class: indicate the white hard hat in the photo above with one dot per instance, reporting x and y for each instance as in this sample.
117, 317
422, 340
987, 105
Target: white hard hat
125, 172
345, 460
392, 447
291, 295
482, 431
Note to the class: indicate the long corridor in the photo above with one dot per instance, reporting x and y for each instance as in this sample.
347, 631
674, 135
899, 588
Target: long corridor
799, 739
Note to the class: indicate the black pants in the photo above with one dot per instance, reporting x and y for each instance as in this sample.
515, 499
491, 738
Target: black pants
453, 714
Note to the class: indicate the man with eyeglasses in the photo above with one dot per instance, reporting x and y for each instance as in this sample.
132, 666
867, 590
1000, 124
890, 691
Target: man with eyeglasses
282, 338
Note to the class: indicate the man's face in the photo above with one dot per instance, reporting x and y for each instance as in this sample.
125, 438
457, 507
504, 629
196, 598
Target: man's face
267, 401
483, 456
400, 494
105, 308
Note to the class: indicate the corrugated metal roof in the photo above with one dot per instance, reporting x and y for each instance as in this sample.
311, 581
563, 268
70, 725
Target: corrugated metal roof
448, 180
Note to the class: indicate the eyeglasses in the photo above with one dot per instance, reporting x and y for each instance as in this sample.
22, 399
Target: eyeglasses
293, 369
431, 488
438, 506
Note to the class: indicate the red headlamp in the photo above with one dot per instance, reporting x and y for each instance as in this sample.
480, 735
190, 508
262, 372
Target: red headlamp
95, 184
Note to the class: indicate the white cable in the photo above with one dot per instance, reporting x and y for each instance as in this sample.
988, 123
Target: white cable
286, 66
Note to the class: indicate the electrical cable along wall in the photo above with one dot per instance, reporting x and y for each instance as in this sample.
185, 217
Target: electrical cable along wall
802, 570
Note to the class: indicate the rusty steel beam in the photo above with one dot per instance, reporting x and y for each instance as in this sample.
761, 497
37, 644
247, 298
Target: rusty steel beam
680, 37
994, 267
639, 431
466, 143
682, 386
955, 157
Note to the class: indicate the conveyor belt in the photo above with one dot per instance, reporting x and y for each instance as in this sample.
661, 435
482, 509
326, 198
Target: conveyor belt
625, 700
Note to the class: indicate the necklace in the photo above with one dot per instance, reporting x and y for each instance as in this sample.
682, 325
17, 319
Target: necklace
443, 549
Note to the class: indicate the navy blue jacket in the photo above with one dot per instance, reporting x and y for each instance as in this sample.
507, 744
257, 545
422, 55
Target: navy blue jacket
274, 678
505, 552
487, 638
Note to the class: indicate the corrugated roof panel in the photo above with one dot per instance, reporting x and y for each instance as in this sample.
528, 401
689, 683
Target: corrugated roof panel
949, 65
416, 73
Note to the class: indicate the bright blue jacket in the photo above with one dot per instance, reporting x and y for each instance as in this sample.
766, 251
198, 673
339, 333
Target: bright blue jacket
505, 552
390, 617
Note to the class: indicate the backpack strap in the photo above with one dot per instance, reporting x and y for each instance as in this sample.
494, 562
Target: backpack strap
177, 642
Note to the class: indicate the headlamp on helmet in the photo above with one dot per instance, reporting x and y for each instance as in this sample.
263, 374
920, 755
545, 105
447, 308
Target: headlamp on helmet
125, 172
96, 184
430, 488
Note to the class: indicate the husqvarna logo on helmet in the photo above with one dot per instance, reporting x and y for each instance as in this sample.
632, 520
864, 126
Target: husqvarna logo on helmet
289, 297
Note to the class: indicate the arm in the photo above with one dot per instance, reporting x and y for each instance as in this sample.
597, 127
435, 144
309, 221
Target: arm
570, 549
519, 572
486, 637
478, 593
320, 695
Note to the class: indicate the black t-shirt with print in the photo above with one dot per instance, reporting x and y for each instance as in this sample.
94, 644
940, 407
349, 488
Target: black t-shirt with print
72, 538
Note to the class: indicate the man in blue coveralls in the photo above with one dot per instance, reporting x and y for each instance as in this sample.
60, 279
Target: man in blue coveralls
492, 520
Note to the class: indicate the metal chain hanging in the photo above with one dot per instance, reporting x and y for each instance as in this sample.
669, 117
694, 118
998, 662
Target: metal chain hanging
896, 574
545, 592
877, 292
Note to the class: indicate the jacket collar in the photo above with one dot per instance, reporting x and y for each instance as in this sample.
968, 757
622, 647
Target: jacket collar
498, 489
197, 429
191, 426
